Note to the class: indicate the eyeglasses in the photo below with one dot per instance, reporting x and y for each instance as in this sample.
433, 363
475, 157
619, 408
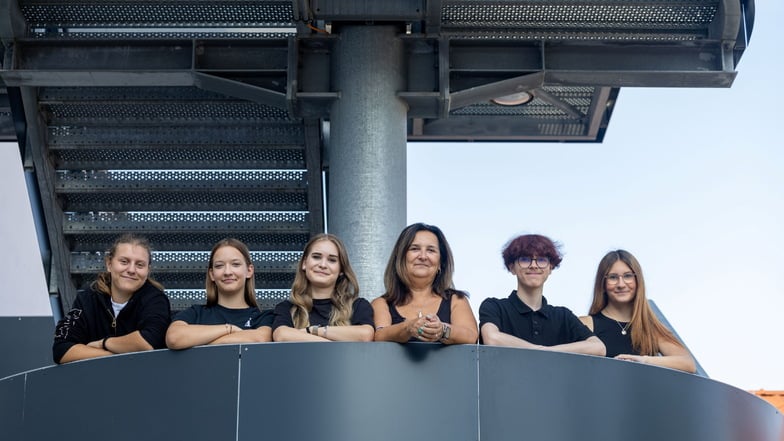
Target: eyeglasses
526, 261
613, 279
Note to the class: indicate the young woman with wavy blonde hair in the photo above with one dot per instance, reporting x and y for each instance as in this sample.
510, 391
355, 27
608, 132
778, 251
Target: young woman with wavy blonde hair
324, 304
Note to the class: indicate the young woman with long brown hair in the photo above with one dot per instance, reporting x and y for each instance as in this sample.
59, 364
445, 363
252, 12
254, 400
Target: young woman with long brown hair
231, 314
621, 317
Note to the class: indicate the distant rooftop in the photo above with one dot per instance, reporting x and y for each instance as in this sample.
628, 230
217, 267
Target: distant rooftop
774, 397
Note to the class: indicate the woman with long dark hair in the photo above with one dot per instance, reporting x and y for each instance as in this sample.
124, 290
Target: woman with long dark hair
420, 302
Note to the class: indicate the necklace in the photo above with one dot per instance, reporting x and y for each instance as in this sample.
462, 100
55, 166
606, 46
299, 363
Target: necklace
623, 328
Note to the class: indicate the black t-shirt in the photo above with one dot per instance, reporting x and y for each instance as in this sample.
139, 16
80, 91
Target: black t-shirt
549, 326
609, 332
246, 318
362, 313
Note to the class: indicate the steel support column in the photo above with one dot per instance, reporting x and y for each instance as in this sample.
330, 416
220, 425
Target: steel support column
367, 150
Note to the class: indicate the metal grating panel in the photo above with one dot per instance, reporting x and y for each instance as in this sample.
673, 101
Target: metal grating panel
579, 19
186, 200
146, 180
199, 222
198, 135
560, 130
159, 112
511, 34
126, 34
183, 298
535, 109
155, 13
181, 158
189, 280
585, 14
195, 241
47, 95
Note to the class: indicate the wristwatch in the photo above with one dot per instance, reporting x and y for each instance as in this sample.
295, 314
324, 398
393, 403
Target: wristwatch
446, 331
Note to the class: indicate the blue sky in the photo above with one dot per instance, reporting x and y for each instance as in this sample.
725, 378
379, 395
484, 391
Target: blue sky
691, 181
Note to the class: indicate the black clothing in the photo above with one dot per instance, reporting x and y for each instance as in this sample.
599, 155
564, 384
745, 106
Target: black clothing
92, 318
246, 318
609, 332
444, 313
549, 326
362, 313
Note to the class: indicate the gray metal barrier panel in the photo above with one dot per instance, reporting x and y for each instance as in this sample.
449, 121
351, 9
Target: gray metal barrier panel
358, 391
25, 344
554, 396
12, 407
165, 395
378, 392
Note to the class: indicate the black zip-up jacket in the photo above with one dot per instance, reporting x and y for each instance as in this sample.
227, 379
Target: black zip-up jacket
92, 318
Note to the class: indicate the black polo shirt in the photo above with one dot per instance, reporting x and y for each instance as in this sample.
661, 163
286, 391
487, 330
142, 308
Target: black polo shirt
549, 326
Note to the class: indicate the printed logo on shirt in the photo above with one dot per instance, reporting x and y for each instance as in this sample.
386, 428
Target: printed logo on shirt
69, 320
247, 324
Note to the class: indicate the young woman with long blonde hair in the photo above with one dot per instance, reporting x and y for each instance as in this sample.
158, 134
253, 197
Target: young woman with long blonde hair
324, 304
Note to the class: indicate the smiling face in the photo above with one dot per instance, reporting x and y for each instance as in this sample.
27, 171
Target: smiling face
322, 264
530, 276
129, 268
423, 257
230, 271
618, 289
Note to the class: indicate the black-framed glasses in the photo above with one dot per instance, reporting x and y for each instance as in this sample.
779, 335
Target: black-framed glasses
613, 279
541, 262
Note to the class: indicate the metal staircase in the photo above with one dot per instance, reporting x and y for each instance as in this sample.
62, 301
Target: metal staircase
183, 165
194, 120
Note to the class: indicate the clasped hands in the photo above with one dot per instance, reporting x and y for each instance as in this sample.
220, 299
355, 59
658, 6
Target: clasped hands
427, 328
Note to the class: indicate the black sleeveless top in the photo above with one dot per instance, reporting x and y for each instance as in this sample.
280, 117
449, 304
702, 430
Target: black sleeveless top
444, 313
609, 332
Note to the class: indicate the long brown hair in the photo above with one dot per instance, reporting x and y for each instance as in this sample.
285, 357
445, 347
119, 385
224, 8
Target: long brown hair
212, 287
646, 329
103, 283
396, 279
346, 288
